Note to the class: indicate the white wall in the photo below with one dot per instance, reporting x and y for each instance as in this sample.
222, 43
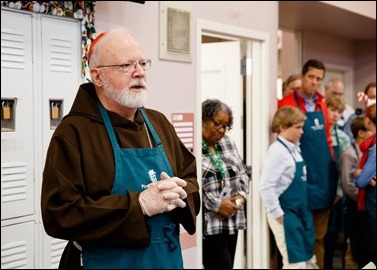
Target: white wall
359, 56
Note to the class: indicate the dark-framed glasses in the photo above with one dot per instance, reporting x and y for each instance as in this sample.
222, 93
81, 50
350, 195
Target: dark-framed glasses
129, 67
219, 125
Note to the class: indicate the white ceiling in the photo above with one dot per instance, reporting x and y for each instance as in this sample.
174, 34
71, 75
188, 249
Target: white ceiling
327, 19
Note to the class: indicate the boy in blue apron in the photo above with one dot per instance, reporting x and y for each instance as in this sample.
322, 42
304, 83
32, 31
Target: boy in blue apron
283, 189
316, 149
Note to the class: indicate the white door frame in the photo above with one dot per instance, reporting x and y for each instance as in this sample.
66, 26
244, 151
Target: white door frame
257, 135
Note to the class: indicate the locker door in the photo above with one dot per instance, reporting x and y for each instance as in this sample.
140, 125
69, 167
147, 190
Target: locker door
60, 54
61, 69
40, 66
17, 246
17, 86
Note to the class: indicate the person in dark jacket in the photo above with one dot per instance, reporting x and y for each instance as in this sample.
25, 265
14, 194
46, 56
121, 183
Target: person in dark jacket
118, 182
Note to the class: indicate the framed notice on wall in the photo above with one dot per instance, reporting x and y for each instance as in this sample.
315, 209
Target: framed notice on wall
184, 126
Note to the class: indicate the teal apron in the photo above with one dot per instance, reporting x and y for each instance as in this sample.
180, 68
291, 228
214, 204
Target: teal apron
336, 218
322, 168
135, 168
298, 220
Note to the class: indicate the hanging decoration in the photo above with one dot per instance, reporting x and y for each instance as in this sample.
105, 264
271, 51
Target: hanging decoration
80, 10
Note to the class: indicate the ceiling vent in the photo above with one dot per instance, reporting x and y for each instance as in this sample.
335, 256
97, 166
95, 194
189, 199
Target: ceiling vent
175, 31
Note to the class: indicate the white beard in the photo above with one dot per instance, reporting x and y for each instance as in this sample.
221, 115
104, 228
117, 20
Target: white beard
126, 96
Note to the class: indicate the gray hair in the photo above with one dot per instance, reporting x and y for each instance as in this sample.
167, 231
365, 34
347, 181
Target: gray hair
211, 107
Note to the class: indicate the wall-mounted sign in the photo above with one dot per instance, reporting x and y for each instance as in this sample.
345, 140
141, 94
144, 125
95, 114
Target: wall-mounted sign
184, 126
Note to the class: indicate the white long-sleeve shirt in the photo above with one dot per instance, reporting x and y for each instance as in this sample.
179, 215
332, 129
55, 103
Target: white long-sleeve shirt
278, 170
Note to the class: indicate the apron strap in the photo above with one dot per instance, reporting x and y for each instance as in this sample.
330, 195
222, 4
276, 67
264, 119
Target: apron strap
109, 127
150, 127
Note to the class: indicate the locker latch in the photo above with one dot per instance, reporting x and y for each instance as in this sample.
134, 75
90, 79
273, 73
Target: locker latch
56, 107
8, 114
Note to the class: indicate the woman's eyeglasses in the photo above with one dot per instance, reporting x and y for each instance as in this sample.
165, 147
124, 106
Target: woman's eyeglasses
219, 125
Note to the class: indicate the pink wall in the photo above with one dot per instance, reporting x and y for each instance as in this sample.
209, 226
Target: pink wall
329, 49
365, 65
289, 58
359, 56
173, 84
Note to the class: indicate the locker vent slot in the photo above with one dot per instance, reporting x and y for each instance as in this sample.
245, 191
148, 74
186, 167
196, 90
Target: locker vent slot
57, 247
12, 49
13, 255
60, 55
13, 182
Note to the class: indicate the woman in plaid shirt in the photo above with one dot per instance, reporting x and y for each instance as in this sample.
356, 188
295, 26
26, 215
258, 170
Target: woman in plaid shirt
225, 187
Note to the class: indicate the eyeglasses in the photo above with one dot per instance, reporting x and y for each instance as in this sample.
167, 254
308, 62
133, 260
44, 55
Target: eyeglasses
130, 67
219, 125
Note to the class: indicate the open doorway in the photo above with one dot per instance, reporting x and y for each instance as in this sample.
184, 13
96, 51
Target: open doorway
222, 79
253, 245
